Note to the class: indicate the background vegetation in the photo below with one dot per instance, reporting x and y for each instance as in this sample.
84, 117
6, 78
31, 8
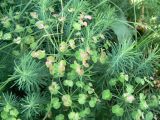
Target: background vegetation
79, 59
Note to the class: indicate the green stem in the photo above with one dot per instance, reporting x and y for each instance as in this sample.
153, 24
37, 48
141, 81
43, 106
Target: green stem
70, 35
49, 109
26, 7
135, 19
3, 84
62, 16
6, 46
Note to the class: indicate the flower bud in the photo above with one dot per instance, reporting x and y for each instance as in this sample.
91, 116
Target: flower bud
53, 88
67, 100
63, 47
34, 15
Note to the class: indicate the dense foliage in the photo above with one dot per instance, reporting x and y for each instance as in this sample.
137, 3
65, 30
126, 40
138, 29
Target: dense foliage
79, 59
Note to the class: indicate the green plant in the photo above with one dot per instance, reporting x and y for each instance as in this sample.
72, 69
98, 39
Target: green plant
32, 105
28, 74
79, 59
8, 105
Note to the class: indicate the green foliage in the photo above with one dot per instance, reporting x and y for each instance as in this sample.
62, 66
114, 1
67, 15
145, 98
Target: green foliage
28, 74
123, 57
32, 105
9, 112
116, 109
106, 95
79, 59
8, 107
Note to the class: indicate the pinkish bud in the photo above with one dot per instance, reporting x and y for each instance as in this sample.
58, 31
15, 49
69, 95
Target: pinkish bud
88, 17
48, 63
85, 24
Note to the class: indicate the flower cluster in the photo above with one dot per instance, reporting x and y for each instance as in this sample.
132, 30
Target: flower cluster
79, 60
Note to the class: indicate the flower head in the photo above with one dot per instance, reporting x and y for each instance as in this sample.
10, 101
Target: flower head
73, 116
89, 17
67, 100
72, 44
61, 67
79, 70
17, 40
71, 10
128, 97
63, 47
53, 88
85, 24
40, 24
34, 15
49, 61
35, 54
62, 19
84, 55
38, 54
